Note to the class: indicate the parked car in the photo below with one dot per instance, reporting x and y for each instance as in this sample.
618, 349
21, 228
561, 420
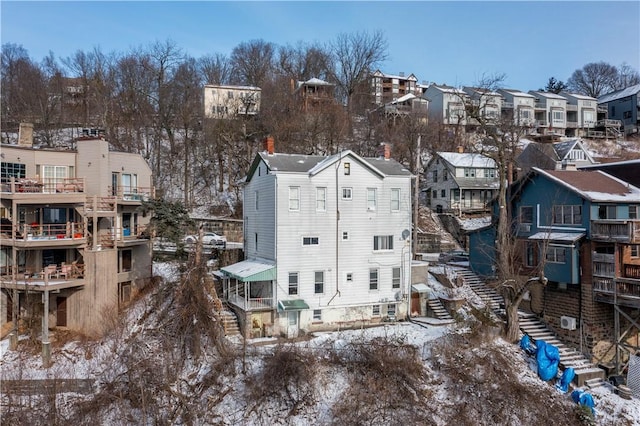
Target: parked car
453, 256
208, 239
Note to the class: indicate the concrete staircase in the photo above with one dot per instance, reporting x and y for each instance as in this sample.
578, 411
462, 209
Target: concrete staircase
229, 323
488, 295
587, 374
439, 311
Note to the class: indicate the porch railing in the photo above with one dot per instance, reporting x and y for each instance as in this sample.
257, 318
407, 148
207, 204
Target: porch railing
43, 185
249, 304
626, 231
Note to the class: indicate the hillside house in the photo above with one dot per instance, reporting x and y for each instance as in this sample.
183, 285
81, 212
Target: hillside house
314, 94
566, 155
223, 102
624, 106
446, 105
459, 182
518, 105
327, 243
583, 228
72, 237
550, 113
487, 105
386, 88
582, 114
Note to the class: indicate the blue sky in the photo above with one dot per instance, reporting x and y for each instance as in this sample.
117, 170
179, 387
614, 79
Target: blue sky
452, 42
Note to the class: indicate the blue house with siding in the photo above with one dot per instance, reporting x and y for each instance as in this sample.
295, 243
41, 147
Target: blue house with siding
583, 228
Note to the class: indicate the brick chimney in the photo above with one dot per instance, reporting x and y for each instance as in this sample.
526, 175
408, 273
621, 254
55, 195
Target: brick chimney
460, 149
387, 151
269, 145
25, 134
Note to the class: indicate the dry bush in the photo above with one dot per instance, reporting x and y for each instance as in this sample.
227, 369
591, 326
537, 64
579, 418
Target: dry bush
387, 384
475, 371
285, 382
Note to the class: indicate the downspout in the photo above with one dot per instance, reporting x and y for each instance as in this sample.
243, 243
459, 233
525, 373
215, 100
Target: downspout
337, 293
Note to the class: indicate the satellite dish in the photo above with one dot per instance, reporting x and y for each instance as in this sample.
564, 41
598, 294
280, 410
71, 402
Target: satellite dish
405, 234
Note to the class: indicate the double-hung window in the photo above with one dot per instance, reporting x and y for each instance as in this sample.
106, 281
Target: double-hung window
294, 198
319, 282
371, 198
395, 278
310, 241
395, 199
347, 193
293, 283
382, 242
556, 255
373, 279
321, 199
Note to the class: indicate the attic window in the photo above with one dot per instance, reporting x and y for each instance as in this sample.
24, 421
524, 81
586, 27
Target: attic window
347, 168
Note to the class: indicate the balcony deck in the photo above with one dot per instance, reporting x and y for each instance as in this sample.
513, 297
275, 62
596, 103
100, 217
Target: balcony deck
622, 230
618, 291
39, 284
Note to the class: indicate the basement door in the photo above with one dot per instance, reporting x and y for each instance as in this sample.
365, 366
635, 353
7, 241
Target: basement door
292, 323
61, 311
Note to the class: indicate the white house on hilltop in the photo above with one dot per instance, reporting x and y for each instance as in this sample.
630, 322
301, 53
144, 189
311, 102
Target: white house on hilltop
326, 241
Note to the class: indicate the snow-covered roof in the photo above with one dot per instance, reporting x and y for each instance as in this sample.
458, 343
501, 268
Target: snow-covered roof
578, 96
629, 91
404, 98
595, 185
558, 236
467, 159
379, 73
515, 92
315, 82
251, 270
548, 95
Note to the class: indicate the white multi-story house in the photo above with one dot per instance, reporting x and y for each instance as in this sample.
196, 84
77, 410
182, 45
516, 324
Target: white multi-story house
487, 103
582, 113
550, 113
446, 104
459, 182
231, 101
74, 243
518, 105
327, 243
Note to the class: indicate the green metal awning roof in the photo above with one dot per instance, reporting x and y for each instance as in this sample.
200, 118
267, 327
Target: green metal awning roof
292, 305
250, 271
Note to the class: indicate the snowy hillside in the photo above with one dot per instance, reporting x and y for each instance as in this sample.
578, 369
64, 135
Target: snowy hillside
145, 372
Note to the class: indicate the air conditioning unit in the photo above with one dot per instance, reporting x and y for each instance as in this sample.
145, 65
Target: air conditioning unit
568, 323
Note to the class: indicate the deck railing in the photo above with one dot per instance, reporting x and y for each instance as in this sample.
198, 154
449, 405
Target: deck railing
42, 185
625, 231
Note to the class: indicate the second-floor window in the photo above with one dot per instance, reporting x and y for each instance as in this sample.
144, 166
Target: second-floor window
383, 242
567, 215
294, 198
469, 172
347, 194
526, 214
443, 193
635, 250
606, 212
293, 283
633, 212
445, 175
395, 199
489, 173
321, 199
13, 170
371, 198
435, 176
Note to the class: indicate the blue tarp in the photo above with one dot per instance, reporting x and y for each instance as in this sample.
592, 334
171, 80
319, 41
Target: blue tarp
583, 398
527, 345
548, 358
567, 377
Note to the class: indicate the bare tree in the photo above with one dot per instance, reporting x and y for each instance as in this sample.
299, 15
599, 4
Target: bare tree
594, 79
354, 56
303, 62
215, 69
252, 62
627, 76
